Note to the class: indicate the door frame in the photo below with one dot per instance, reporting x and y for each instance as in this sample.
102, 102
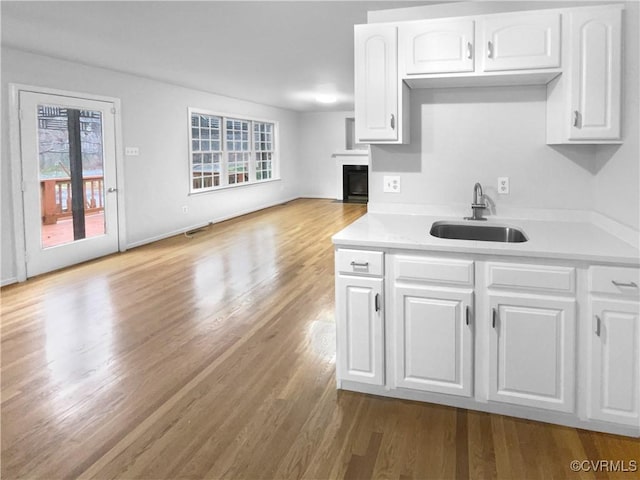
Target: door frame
19, 237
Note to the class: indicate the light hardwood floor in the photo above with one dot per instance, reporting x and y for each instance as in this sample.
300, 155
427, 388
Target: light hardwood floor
214, 357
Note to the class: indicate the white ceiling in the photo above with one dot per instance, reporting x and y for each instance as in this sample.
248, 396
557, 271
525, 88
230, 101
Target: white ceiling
276, 53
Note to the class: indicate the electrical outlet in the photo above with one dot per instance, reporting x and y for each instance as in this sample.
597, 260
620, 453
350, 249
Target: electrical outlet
185, 209
391, 184
132, 151
503, 185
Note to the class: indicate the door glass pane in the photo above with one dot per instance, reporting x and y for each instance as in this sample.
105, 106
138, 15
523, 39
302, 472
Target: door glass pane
63, 220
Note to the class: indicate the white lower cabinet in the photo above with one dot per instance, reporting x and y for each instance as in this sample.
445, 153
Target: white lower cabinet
556, 342
433, 340
615, 361
360, 329
359, 316
614, 341
532, 351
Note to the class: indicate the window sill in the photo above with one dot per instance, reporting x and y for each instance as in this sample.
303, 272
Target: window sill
235, 185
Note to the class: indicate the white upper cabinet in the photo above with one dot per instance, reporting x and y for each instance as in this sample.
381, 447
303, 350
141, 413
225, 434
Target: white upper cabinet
520, 42
595, 58
376, 83
436, 46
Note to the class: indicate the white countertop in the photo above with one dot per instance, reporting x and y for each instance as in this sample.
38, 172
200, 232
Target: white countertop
581, 241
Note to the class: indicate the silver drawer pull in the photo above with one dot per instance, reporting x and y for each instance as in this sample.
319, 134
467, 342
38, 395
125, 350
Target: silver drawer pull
623, 284
359, 264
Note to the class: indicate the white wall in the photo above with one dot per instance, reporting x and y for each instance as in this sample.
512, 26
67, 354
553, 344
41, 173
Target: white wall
618, 181
321, 134
155, 119
460, 136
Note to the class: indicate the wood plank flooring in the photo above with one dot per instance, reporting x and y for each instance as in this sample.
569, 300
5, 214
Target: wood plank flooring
214, 357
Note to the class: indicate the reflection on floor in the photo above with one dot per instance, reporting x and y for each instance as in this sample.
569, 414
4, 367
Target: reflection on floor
61, 232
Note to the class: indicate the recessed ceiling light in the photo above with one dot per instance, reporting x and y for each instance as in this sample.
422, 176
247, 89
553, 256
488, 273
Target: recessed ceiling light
326, 98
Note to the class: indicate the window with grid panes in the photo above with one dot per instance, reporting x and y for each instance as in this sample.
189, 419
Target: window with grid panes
263, 144
238, 152
206, 147
246, 155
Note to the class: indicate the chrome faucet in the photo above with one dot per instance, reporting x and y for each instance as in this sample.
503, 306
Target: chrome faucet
476, 206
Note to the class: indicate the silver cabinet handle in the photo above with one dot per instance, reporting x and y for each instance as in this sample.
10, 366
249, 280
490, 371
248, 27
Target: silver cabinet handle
377, 302
576, 118
111, 190
493, 318
623, 284
490, 49
359, 264
469, 50
467, 314
393, 121
598, 325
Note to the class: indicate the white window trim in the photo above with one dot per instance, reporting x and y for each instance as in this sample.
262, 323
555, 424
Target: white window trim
224, 185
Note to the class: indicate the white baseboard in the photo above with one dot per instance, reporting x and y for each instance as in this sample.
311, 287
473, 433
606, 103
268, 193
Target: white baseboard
320, 197
182, 230
8, 281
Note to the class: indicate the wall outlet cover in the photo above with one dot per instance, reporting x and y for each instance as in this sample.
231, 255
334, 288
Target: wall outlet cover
391, 184
503, 185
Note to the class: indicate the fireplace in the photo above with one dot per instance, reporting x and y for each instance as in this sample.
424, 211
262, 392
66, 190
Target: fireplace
355, 183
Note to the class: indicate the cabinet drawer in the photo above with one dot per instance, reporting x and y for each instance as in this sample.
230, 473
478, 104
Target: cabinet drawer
615, 280
361, 262
456, 272
540, 278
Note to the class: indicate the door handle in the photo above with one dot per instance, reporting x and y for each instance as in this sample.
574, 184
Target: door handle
469, 50
111, 189
598, 325
467, 314
576, 118
377, 302
490, 49
493, 317
623, 284
393, 121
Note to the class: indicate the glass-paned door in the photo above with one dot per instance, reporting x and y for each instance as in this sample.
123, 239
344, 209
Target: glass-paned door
63, 180
68, 167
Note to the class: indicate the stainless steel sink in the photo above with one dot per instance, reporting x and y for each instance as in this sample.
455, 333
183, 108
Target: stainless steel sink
475, 231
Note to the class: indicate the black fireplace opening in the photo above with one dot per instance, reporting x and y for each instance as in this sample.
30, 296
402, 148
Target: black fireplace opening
355, 183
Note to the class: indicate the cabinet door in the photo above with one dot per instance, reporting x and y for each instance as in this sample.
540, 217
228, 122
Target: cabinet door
376, 83
595, 56
521, 42
532, 351
435, 46
433, 334
360, 355
615, 362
